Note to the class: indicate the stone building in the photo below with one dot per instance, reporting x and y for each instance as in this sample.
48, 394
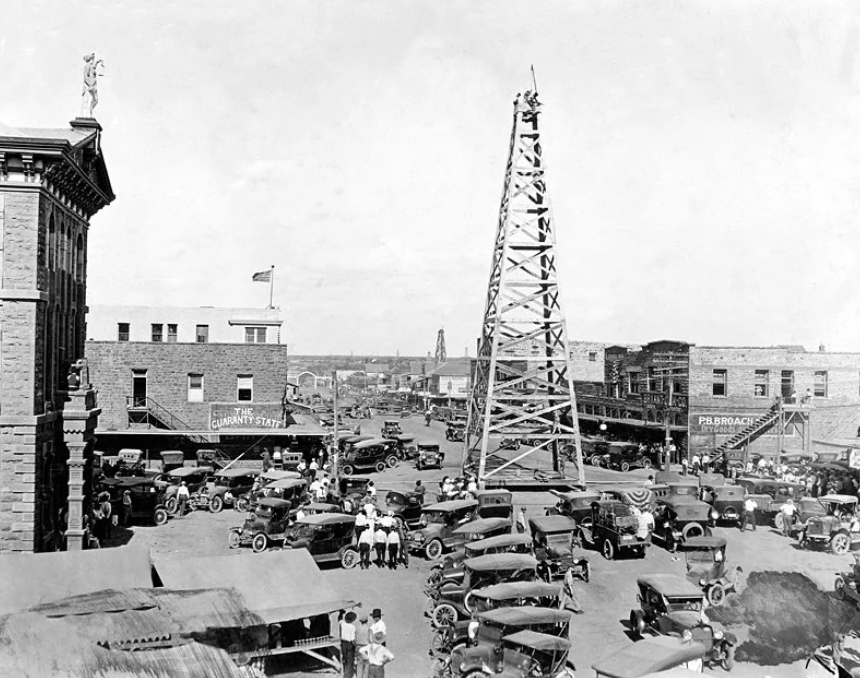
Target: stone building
52, 182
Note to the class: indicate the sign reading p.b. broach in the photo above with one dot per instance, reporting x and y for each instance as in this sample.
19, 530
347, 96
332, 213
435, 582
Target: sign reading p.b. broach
720, 423
235, 416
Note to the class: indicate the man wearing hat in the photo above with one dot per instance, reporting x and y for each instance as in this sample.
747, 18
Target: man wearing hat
393, 544
788, 509
347, 644
378, 626
377, 656
362, 639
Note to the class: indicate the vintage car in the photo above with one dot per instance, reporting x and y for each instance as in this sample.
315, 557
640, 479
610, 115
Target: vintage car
473, 531
614, 529
553, 538
727, 500
770, 494
843, 663
625, 456
575, 505
245, 502
516, 594
353, 489
845, 584
679, 516
316, 508
346, 443
452, 601
594, 450
455, 431
376, 454
405, 446
171, 459
391, 428
269, 522
406, 506
328, 537
707, 568
147, 499
437, 524
451, 568
229, 484
671, 605
522, 655
834, 528
480, 637
649, 656
429, 456
495, 503
195, 479
293, 490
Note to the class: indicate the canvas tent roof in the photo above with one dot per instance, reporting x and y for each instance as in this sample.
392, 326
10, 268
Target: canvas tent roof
30, 579
275, 585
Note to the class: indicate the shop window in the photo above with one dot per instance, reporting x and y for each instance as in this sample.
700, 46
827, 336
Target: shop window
787, 383
123, 330
195, 388
255, 335
245, 388
172, 332
633, 383
202, 334
719, 384
760, 387
157, 332
820, 386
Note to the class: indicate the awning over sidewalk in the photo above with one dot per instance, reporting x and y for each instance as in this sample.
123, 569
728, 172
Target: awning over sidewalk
30, 579
276, 585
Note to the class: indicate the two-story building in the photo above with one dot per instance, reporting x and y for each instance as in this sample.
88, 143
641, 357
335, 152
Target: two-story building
192, 378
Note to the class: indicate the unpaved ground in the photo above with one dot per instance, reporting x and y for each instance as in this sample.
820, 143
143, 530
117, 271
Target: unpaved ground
608, 598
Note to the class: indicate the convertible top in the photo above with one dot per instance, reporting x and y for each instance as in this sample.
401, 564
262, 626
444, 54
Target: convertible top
275, 474
552, 524
704, 542
671, 585
273, 502
286, 484
452, 505
586, 495
501, 561
838, 499
482, 525
519, 589
649, 655
538, 641
499, 541
326, 519
523, 616
186, 471
370, 442
404, 437
237, 472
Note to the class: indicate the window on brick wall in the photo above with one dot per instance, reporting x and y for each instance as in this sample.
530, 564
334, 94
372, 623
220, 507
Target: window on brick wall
633, 382
255, 335
157, 332
718, 387
786, 384
172, 332
123, 330
592, 356
195, 388
245, 388
761, 386
820, 386
202, 334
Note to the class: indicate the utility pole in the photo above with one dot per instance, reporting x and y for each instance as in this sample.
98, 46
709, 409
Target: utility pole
335, 447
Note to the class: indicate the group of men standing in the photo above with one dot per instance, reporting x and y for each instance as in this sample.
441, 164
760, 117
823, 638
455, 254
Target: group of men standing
363, 645
384, 535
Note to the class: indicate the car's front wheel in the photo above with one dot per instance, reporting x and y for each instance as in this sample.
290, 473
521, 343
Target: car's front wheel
443, 615
391, 460
840, 544
349, 558
217, 504
434, 550
608, 550
260, 542
172, 505
160, 516
716, 595
779, 522
234, 541
728, 660
637, 624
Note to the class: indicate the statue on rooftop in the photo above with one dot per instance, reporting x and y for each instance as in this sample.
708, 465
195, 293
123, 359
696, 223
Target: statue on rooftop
90, 94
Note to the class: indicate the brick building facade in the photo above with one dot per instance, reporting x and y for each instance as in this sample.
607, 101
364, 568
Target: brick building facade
730, 387
52, 181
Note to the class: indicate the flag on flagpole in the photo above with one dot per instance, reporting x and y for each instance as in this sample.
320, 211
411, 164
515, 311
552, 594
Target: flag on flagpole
262, 276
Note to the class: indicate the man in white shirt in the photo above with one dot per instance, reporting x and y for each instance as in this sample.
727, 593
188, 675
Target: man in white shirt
377, 656
182, 496
365, 541
788, 510
749, 513
377, 626
347, 644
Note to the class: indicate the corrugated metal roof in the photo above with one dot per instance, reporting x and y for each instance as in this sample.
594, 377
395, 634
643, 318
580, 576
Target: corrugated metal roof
69, 573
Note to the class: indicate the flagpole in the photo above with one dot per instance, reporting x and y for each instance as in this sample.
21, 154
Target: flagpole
272, 286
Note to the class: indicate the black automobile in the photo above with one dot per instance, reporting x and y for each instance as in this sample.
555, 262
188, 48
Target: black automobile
375, 454
406, 507
147, 499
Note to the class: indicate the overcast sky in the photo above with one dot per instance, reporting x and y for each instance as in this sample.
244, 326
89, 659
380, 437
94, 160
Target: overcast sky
703, 160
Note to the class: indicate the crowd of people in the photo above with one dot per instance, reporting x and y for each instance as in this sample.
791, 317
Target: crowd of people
363, 645
383, 535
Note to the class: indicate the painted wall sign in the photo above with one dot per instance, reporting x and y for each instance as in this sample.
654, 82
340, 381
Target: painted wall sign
224, 416
720, 423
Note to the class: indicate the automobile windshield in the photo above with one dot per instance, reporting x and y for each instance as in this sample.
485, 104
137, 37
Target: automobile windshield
263, 511
435, 517
489, 633
682, 604
730, 493
700, 556
558, 544
302, 532
683, 490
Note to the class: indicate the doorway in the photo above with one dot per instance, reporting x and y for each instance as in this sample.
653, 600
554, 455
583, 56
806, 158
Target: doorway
138, 388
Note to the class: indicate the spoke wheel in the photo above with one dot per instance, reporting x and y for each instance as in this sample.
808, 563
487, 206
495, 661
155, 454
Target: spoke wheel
779, 522
716, 595
729, 658
349, 558
625, 466
172, 505
380, 466
391, 461
840, 543
217, 504
433, 550
233, 540
646, 464
608, 550
439, 642
160, 516
259, 543
444, 615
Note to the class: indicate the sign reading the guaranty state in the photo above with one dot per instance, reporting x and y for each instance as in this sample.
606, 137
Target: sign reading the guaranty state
224, 416
720, 423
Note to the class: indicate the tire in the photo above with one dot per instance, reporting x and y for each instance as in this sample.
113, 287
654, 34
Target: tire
160, 516
391, 460
608, 550
467, 602
840, 544
347, 470
439, 642
443, 614
637, 625
625, 466
242, 504
692, 530
477, 673
646, 464
216, 505
233, 540
728, 660
434, 550
259, 543
595, 461
716, 595
349, 558
839, 588
172, 505
779, 522
429, 606
380, 466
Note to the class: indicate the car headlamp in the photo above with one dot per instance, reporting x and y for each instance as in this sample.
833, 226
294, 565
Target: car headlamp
239, 531
718, 635
419, 536
702, 582
715, 514
687, 636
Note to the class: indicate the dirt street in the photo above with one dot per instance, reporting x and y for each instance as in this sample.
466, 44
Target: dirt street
608, 598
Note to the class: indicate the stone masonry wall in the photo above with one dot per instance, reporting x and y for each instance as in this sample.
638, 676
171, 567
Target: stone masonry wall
168, 366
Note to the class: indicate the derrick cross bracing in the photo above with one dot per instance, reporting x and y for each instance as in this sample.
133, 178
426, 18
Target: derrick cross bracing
523, 389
